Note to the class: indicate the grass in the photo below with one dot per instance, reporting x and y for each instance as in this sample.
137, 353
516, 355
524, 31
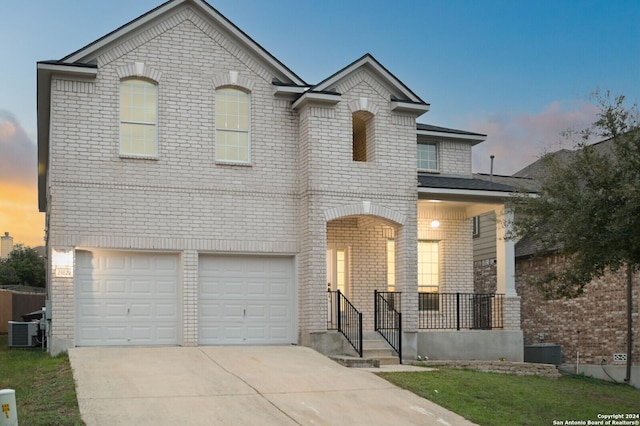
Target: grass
45, 390
501, 399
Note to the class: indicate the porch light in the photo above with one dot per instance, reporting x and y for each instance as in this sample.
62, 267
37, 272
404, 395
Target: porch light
435, 223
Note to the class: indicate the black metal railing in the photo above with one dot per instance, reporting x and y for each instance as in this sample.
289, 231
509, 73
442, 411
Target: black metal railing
388, 319
472, 311
345, 318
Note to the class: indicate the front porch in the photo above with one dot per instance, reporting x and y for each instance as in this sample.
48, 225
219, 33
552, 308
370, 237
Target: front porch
424, 273
452, 326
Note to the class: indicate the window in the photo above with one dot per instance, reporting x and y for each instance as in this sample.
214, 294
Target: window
427, 156
232, 126
476, 226
138, 118
363, 135
428, 275
391, 265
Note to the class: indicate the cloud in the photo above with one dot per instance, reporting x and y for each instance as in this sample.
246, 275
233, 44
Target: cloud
18, 153
518, 139
18, 184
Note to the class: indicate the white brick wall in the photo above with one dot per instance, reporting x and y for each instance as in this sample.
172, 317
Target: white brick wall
291, 199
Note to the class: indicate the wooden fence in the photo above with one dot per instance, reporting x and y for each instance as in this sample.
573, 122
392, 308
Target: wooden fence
14, 304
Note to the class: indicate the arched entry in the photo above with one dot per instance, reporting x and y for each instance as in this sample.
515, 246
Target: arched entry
357, 237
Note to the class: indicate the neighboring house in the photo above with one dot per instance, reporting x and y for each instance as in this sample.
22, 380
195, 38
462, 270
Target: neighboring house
198, 192
591, 328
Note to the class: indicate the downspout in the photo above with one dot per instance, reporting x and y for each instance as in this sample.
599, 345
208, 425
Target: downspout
627, 378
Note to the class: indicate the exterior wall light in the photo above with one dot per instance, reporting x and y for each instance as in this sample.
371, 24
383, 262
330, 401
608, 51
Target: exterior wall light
62, 263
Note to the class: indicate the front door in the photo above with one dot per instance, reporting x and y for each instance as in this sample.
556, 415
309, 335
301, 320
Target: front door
337, 270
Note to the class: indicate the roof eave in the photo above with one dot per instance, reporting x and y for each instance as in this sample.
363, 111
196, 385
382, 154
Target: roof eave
327, 99
466, 193
471, 138
413, 108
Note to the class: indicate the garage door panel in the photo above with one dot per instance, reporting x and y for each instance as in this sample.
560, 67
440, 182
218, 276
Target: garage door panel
112, 263
166, 312
166, 288
115, 311
141, 287
91, 310
112, 288
123, 298
242, 298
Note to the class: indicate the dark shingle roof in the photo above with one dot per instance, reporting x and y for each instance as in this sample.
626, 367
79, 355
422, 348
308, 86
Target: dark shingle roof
434, 181
521, 183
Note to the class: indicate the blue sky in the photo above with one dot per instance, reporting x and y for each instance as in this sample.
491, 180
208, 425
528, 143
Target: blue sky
520, 71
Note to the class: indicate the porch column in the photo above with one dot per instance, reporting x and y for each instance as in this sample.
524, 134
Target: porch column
407, 272
506, 269
505, 254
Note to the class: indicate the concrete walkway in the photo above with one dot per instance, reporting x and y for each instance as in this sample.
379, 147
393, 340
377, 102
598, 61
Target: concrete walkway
266, 385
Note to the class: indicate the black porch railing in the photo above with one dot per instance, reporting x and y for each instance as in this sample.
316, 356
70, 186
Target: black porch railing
388, 319
345, 318
457, 311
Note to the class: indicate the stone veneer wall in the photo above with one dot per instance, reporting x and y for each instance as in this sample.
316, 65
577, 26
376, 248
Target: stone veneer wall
485, 276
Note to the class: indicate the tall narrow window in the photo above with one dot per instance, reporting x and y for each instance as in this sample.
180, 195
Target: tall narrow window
391, 265
427, 156
232, 125
428, 275
363, 136
138, 118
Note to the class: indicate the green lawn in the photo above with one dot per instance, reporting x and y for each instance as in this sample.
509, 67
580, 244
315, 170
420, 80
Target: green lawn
45, 391
501, 399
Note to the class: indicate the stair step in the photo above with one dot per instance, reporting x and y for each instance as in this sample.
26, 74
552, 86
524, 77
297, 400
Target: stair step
388, 360
356, 362
377, 352
375, 344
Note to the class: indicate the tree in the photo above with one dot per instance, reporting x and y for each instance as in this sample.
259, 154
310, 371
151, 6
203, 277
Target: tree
23, 267
588, 206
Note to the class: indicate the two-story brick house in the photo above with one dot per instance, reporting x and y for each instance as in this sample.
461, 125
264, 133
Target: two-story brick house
199, 192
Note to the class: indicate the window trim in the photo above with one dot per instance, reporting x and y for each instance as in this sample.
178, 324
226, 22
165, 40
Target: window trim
475, 232
436, 145
223, 161
121, 121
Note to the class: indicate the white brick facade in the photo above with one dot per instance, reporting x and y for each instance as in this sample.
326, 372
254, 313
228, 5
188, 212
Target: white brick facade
301, 192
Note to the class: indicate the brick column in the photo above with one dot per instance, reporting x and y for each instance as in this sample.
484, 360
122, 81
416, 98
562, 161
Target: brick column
407, 271
190, 297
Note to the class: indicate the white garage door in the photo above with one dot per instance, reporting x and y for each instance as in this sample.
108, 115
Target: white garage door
126, 298
246, 300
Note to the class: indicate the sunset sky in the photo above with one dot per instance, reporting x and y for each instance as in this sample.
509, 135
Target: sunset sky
519, 71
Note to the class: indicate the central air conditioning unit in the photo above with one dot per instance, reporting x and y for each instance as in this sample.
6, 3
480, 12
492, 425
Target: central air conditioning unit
23, 334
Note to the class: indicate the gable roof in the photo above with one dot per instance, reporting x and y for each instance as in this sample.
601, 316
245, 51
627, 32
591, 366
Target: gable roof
90, 51
82, 64
403, 97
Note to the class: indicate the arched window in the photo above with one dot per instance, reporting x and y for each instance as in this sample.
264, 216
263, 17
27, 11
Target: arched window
138, 118
363, 136
233, 110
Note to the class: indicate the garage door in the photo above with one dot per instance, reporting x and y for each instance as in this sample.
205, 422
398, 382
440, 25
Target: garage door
246, 300
126, 298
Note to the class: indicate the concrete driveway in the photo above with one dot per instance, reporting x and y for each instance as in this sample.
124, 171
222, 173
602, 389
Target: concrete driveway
266, 385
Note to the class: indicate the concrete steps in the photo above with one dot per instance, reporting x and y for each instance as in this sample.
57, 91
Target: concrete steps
375, 347
375, 352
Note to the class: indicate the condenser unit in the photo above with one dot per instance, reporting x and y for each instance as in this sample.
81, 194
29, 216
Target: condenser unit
23, 334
